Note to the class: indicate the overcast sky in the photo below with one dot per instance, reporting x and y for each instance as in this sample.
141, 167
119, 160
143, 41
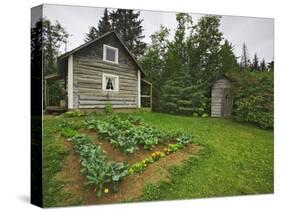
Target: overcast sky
257, 33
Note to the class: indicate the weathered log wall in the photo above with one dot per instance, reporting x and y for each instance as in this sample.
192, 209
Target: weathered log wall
88, 70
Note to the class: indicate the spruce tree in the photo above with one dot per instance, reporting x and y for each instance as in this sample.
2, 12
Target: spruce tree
46, 41
255, 63
104, 23
228, 58
127, 24
245, 61
104, 26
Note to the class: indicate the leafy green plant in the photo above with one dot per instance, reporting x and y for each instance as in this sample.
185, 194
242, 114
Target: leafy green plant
68, 132
98, 170
75, 113
138, 167
183, 139
108, 108
135, 119
126, 136
150, 143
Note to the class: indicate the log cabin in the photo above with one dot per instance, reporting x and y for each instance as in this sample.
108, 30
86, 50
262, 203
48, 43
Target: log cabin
100, 72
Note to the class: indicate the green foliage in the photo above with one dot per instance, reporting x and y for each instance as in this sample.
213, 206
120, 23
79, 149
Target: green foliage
75, 113
227, 57
254, 97
127, 134
138, 167
181, 141
46, 41
119, 20
205, 115
54, 155
68, 132
135, 119
108, 108
238, 161
182, 69
153, 61
98, 170
184, 139
104, 26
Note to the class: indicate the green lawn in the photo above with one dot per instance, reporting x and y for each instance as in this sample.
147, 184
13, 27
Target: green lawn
236, 159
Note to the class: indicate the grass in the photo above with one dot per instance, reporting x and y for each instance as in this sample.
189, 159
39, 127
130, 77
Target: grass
237, 159
53, 157
54, 154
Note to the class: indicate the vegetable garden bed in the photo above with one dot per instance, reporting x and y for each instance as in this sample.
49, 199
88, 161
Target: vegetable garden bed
114, 153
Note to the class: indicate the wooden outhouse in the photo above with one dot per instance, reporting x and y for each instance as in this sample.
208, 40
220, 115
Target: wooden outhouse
222, 97
100, 72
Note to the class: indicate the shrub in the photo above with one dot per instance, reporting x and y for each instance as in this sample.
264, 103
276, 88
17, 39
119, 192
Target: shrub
253, 98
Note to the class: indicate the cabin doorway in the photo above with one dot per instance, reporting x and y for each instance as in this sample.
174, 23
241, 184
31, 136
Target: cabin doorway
227, 103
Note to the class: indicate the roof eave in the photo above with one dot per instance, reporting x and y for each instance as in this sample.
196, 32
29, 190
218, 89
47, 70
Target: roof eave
67, 54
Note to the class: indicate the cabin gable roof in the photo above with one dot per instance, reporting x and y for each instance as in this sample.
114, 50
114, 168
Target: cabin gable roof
83, 46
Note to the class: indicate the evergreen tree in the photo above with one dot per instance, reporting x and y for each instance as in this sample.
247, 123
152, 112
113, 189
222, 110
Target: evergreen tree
205, 47
104, 26
53, 37
92, 34
127, 24
227, 56
255, 63
50, 37
153, 62
154, 57
177, 58
245, 61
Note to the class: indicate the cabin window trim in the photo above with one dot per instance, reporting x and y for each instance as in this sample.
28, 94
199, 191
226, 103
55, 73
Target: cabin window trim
105, 47
114, 78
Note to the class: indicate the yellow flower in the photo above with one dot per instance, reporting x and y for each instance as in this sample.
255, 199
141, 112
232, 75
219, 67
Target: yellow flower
106, 190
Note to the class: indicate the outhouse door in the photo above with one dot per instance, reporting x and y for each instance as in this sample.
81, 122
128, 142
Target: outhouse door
227, 102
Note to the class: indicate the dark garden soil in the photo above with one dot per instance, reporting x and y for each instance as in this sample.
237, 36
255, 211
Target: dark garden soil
131, 187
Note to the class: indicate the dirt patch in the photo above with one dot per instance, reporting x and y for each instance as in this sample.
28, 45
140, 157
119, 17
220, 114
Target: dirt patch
131, 187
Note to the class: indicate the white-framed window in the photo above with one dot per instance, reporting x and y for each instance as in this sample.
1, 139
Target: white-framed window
110, 82
110, 54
